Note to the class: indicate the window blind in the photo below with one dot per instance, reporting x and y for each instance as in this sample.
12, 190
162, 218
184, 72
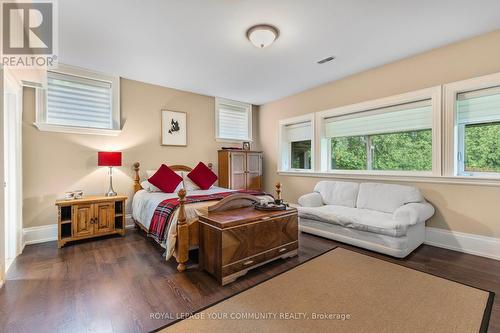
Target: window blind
78, 101
298, 132
399, 118
479, 106
233, 121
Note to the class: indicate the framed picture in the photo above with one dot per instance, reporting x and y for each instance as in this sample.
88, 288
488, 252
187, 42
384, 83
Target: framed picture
246, 145
173, 128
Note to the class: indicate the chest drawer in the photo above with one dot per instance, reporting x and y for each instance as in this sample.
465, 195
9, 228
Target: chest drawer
259, 259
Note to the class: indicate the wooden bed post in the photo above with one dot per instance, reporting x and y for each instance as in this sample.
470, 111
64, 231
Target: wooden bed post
182, 244
137, 179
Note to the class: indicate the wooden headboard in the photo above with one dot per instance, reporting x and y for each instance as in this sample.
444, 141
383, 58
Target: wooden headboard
177, 167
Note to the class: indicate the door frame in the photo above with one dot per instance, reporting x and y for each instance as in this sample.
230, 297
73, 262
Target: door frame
12, 138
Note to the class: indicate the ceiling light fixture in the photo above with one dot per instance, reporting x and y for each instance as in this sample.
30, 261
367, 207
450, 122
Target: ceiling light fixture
262, 35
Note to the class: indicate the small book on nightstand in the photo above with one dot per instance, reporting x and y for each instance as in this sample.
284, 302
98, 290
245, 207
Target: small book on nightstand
89, 217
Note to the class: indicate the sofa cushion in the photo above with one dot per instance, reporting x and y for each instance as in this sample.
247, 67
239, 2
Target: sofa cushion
355, 218
386, 197
338, 193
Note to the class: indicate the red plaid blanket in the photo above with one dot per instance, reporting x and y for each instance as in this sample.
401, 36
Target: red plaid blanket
165, 210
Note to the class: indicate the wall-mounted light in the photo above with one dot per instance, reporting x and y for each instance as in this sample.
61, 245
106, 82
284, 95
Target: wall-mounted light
262, 35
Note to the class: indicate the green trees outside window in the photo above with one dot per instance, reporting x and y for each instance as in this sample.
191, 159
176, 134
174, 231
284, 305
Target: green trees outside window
404, 151
482, 148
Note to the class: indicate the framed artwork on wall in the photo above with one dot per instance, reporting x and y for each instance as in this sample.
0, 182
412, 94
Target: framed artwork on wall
173, 128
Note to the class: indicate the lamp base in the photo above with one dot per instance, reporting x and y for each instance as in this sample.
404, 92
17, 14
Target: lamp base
111, 191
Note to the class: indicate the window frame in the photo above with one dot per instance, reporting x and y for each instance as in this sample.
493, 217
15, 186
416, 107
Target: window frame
42, 109
454, 134
247, 106
286, 149
433, 94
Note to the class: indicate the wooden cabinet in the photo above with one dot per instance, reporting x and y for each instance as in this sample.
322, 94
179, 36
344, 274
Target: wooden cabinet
234, 241
240, 169
90, 217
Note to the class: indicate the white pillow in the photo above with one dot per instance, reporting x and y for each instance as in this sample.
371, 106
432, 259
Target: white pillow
189, 185
149, 187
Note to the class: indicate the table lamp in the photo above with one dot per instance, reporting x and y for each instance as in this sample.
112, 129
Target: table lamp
109, 159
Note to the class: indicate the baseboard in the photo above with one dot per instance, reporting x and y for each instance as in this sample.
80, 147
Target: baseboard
42, 234
483, 246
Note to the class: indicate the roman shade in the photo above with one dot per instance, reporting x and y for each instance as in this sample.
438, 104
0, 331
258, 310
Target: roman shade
78, 101
298, 132
233, 119
398, 118
478, 106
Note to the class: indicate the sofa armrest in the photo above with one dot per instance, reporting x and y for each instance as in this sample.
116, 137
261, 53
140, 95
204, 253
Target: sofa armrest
414, 213
311, 200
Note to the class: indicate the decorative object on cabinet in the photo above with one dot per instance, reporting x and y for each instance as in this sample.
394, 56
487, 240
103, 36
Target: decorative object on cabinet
173, 128
90, 217
246, 145
240, 169
109, 159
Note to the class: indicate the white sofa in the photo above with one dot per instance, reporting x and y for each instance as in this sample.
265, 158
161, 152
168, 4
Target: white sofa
384, 218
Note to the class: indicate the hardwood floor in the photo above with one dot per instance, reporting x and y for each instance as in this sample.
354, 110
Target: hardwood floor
116, 284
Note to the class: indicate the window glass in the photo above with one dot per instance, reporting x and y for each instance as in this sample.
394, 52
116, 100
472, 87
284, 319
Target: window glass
301, 154
349, 153
482, 148
406, 151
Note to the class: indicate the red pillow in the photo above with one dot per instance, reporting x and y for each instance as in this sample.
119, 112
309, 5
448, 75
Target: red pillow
165, 179
202, 176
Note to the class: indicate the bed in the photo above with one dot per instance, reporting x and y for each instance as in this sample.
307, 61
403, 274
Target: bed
181, 232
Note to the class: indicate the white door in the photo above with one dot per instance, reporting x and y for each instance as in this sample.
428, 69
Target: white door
12, 169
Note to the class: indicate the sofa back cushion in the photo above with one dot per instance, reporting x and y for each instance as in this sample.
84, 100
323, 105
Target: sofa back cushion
386, 197
338, 193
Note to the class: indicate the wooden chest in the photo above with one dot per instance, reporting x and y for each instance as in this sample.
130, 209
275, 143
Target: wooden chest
234, 241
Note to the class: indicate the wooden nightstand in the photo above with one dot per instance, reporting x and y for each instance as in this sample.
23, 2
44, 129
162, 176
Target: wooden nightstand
91, 216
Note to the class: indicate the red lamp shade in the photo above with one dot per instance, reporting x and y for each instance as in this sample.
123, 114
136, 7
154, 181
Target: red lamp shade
109, 158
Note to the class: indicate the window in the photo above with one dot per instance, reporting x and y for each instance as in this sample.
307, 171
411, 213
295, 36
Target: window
79, 101
296, 143
394, 138
233, 120
478, 132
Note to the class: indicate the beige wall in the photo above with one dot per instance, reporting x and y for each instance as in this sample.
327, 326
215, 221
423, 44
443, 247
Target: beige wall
54, 163
464, 208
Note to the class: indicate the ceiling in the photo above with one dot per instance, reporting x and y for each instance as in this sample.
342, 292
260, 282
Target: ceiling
200, 45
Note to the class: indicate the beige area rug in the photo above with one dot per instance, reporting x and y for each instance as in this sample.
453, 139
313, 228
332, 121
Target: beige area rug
344, 291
